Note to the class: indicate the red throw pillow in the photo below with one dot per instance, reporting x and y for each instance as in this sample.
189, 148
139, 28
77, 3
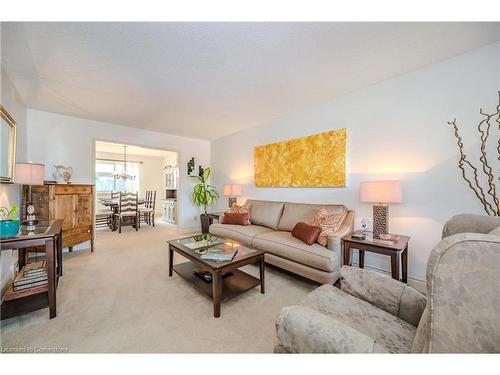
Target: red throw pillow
306, 233
234, 218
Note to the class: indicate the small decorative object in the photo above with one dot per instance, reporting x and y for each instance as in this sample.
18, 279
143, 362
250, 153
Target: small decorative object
30, 174
7, 146
190, 166
124, 175
200, 170
204, 195
315, 161
381, 193
365, 222
9, 221
232, 191
470, 173
62, 174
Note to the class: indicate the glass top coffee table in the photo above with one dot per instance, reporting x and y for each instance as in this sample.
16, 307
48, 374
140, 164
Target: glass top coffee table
218, 280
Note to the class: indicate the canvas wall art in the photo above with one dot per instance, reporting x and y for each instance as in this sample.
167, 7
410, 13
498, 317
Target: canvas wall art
314, 161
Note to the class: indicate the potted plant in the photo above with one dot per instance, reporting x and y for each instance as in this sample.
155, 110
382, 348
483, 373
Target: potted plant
204, 195
9, 221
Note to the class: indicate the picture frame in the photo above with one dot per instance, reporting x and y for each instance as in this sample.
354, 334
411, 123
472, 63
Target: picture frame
7, 146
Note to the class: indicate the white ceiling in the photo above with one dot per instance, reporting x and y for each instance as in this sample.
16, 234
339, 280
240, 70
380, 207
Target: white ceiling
117, 148
207, 80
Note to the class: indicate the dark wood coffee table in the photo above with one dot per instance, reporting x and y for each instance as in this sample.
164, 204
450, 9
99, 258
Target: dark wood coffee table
227, 280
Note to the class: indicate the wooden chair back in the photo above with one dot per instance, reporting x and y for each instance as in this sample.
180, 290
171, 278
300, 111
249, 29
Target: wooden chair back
128, 202
150, 200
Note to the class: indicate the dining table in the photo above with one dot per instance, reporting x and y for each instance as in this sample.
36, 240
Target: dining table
113, 205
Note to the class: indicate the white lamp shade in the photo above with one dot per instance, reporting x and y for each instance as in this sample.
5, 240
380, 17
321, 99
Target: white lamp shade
232, 190
381, 192
29, 173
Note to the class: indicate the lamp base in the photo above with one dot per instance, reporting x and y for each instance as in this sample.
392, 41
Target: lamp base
380, 219
30, 223
231, 201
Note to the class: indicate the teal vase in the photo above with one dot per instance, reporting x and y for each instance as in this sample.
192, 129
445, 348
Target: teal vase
9, 228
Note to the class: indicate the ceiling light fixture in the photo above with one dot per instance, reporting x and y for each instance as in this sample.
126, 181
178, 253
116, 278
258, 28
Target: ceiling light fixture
124, 175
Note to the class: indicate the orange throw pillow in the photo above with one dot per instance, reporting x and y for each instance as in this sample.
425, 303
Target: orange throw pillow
306, 233
237, 209
329, 224
236, 218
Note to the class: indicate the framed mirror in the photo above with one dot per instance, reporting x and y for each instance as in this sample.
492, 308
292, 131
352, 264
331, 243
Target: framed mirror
7, 146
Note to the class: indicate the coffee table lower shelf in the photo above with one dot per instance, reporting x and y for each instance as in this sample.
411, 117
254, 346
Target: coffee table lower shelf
232, 286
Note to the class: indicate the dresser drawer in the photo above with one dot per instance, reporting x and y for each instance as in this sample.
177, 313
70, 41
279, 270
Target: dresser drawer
76, 239
65, 189
84, 189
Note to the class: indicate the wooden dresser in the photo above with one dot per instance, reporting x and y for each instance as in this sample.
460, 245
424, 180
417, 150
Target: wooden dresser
72, 203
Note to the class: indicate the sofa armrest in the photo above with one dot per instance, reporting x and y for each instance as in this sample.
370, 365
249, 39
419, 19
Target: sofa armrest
384, 292
303, 330
334, 241
470, 223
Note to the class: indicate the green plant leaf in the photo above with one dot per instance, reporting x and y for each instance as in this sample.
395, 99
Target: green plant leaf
206, 173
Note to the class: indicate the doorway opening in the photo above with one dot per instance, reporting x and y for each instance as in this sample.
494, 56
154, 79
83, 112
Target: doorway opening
151, 173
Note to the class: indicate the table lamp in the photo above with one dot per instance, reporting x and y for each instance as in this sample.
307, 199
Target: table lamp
232, 191
29, 174
381, 193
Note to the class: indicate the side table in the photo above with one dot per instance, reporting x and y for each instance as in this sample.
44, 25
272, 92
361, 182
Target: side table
214, 216
49, 235
393, 249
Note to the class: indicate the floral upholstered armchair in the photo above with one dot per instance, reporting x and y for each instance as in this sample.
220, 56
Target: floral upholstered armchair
374, 313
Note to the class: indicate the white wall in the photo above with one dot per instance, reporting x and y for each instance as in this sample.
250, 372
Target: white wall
10, 193
59, 139
397, 130
151, 174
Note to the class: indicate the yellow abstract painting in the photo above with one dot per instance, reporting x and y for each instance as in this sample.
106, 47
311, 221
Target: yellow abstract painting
315, 161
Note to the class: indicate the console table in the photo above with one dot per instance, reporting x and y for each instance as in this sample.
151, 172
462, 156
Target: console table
47, 235
393, 249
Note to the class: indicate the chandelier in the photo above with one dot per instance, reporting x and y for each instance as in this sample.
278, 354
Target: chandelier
124, 175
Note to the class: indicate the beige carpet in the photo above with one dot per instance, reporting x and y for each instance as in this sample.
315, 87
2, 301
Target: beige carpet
120, 299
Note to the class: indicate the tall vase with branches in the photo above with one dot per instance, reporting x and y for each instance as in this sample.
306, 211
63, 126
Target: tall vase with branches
481, 179
204, 195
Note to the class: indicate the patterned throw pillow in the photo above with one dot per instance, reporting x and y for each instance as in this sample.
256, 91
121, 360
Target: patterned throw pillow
329, 224
237, 209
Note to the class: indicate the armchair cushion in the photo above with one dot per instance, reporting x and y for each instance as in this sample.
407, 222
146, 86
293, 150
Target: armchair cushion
389, 333
303, 330
469, 223
384, 292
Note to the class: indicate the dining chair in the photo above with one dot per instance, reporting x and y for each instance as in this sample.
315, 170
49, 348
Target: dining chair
148, 211
127, 213
104, 215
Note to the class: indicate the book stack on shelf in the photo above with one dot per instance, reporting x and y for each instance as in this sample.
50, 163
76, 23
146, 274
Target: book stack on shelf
32, 275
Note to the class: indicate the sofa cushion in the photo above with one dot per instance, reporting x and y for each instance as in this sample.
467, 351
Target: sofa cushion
265, 213
391, 333
296, 212
240, 233
283, 244
495, 232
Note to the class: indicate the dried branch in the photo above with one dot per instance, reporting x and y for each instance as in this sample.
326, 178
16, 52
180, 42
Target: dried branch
484, 128
478, 190
498, 121
488, 171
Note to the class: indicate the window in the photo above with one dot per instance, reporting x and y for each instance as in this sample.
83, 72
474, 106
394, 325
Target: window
105, 181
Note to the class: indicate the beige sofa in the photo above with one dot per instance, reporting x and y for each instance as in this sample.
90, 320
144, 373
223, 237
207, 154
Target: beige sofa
272, 223
374, 313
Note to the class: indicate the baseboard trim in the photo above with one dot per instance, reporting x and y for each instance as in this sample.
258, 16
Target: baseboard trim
418, 284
